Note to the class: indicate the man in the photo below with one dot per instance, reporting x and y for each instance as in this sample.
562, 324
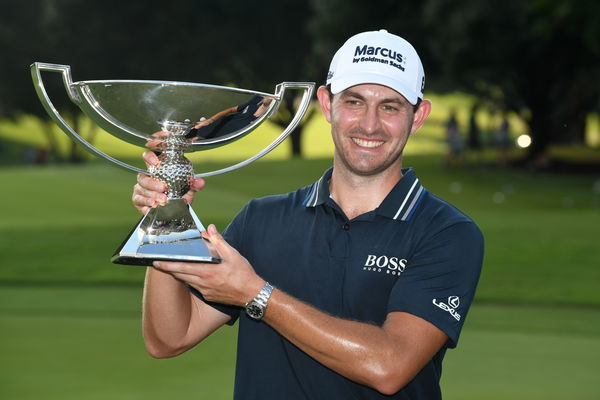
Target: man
230, 119
370, 275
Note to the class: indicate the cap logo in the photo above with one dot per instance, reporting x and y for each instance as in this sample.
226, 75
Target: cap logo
374, 54
329, 74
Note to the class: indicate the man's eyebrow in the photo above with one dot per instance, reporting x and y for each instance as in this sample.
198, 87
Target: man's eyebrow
396, 99
350, 93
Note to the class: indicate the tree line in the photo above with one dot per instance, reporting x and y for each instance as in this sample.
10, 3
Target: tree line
538, 58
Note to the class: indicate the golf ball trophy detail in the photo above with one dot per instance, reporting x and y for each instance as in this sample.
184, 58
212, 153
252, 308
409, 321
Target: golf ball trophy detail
158, 115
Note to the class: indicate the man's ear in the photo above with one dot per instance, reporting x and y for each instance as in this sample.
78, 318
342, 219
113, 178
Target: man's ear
325, 98
421, 115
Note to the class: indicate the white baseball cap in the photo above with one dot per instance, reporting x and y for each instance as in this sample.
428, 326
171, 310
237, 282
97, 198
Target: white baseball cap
378, 57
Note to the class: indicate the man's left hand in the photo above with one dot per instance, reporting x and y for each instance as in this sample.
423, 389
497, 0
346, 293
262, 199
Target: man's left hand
232, 281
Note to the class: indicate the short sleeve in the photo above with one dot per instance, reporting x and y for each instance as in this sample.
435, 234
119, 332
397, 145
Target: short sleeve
233, 236
439, 281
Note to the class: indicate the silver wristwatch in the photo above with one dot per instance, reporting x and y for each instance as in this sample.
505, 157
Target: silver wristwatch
256, 307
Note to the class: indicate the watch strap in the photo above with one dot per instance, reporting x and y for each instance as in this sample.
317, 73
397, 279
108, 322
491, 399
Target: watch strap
256, 307
262, 298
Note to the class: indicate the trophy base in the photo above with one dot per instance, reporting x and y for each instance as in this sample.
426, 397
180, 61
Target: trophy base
166, 233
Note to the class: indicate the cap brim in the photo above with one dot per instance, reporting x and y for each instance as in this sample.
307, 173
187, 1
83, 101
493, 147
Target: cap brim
342, 83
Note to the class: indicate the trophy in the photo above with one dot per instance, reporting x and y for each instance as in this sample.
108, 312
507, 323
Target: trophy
170, 118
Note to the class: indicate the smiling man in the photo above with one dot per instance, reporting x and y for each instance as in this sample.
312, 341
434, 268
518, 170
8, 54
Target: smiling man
351, 288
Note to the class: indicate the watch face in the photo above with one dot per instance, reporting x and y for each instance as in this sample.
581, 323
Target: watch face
254, 310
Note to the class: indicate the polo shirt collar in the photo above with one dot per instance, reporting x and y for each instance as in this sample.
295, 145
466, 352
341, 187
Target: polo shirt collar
319, 192
400, 204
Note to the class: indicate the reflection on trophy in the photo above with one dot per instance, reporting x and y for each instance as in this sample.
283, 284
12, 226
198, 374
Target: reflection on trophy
163, 116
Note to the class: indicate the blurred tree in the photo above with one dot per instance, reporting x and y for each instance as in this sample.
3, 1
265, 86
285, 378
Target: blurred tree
335, 21
18, 39
215, 42
536, 57
539, 58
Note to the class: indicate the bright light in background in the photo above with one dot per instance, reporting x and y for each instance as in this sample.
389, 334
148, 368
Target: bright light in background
524, 141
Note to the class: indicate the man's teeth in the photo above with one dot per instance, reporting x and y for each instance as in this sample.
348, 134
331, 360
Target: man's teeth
367, 143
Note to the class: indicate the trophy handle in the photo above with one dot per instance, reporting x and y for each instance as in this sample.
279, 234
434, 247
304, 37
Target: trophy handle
40, 89
304, 103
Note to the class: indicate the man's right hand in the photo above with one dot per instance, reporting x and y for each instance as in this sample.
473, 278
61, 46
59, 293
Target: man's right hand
149, 192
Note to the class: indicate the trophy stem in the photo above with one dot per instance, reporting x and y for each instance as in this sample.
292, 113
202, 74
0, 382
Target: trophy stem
171, 232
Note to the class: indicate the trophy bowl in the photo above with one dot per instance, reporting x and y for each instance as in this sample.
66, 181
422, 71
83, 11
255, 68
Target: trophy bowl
171, 119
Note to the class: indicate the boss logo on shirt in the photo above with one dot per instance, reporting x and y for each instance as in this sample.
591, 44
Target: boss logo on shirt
391, 265
450, 306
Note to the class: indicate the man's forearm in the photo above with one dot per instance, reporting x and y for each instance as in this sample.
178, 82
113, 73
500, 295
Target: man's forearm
384, 358
167, 314
223, 113
174, 319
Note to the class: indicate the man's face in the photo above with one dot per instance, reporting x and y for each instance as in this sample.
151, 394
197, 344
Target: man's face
370, 125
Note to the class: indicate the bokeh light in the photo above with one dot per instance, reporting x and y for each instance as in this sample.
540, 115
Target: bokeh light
524, 141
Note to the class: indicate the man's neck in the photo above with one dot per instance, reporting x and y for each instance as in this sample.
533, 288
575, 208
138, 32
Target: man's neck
356, 194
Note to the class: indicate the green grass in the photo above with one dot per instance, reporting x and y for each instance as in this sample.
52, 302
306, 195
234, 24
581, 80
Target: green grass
525, 353
85, 343
541, 231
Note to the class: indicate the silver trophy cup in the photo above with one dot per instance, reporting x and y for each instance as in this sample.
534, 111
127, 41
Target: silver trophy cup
170, 118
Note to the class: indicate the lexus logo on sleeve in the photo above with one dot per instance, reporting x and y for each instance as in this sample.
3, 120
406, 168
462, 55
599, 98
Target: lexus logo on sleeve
450, 306
454, 301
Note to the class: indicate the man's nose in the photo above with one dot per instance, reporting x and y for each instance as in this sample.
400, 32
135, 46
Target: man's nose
370, 120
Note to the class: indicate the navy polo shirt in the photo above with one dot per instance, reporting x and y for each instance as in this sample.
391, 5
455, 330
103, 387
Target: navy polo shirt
415, 253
